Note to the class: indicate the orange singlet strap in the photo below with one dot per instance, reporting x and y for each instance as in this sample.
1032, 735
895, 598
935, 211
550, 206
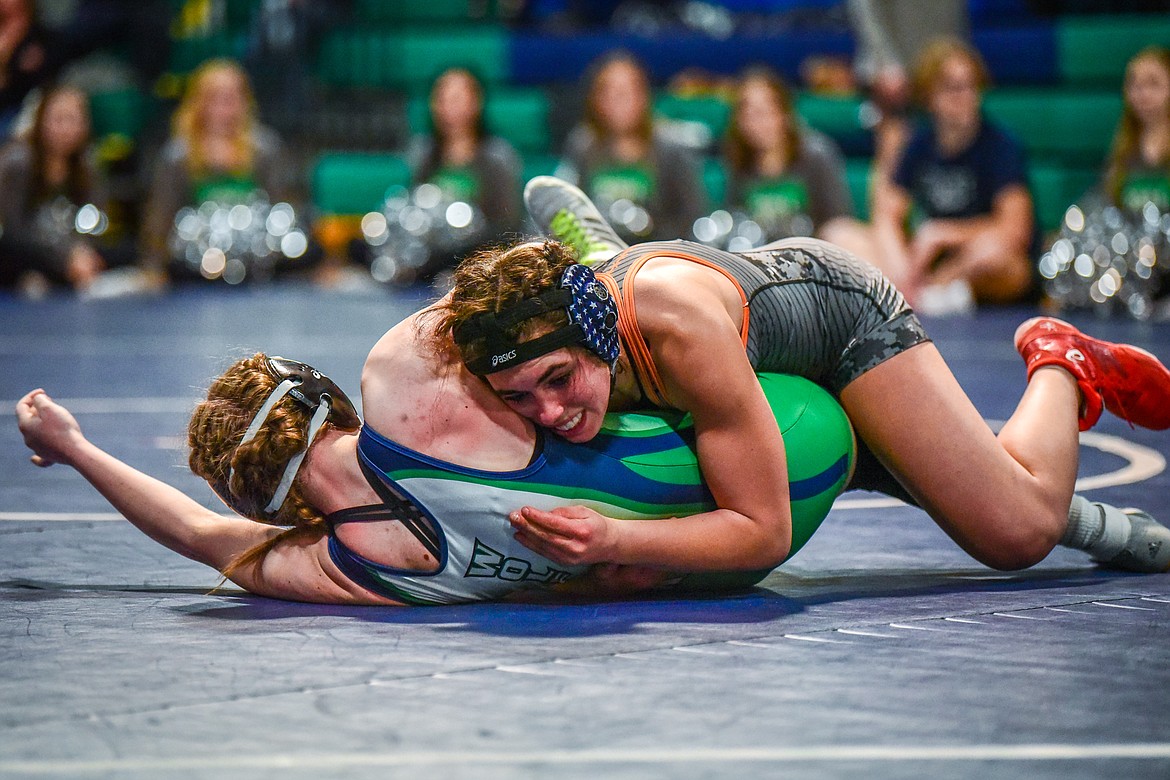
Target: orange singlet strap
631, 335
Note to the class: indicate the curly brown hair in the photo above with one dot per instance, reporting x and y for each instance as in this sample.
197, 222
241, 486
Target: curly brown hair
245, 476
497, 278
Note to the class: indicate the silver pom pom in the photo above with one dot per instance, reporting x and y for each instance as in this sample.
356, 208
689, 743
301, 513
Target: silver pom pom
60, 222
420, 232
1109, 260
237, 241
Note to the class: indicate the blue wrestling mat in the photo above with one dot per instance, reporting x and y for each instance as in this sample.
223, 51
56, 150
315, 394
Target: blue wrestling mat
880, 651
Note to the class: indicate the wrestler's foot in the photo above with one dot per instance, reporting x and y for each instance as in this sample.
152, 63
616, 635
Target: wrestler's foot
565, 213
1126, 380
1146, 550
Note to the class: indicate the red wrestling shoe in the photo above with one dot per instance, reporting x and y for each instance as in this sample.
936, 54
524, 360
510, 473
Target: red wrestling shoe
1130, 382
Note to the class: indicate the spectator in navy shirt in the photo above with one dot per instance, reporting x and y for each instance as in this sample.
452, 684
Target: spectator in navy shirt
955, 224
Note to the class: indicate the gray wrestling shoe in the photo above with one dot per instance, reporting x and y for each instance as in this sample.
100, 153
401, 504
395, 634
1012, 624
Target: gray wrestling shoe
1146, 550
565, 213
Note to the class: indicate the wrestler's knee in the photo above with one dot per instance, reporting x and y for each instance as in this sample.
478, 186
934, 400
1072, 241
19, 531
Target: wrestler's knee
1015, 537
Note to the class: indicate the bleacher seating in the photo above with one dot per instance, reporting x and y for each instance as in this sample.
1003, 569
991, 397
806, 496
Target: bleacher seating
1093, 50
118, 113
409, 59
516, 114
1056, 81
354, 183
433, 11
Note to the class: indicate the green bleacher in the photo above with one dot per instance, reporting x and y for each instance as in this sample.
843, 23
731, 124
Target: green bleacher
409, 59
714, 175
838, 117
119, 112
399, 46
857, 172
1092, 50
712, 112
1056, 186
348, 183
1066, 132
539, 165
413, 11
1066, 125
519, 115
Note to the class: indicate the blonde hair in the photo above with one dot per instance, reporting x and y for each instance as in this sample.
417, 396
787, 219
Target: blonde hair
1127, 136
929, 66
189, 120
498, 278
245, 476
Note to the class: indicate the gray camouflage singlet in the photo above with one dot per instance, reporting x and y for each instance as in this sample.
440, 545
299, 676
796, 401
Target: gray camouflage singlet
816, 311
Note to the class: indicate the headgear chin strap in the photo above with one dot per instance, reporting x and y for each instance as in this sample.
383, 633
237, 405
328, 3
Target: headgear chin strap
317, 393
592, 324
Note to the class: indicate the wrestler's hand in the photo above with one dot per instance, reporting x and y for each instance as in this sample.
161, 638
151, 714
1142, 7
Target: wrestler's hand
570, 535
49, 430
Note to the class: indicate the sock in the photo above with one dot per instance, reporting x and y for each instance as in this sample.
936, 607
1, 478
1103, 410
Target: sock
1099, 529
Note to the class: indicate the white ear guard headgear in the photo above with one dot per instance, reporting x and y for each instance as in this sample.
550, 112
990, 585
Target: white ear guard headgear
317, 393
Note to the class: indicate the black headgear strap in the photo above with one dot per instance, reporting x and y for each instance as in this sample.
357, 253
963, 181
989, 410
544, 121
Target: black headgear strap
500, 349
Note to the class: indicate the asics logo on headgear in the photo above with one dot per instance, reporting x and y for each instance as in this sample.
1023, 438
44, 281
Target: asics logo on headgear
504, 358
1076, 355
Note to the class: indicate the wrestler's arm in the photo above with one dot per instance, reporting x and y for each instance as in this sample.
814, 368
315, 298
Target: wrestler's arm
701, 358
296, 570
612, 580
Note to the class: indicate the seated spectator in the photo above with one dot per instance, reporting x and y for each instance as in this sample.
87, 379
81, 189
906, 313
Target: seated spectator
891, 35
30, 56
647, 185
45, 178
466, 164
788, 178
955, 224
218, 154
1138, 168
1122, 218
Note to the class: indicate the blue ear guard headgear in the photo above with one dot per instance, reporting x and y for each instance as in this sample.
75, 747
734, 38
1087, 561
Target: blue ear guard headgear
317, 393
593, 319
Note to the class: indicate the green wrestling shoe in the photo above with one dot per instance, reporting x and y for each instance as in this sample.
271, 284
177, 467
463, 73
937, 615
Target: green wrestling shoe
1146, 550
564, 212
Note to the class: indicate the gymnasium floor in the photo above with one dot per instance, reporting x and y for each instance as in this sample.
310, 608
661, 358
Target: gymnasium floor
880, 651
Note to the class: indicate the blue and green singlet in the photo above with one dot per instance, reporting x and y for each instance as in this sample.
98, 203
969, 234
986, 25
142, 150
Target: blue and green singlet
641, 466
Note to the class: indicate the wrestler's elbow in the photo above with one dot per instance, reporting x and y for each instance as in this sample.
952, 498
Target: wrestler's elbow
774, 540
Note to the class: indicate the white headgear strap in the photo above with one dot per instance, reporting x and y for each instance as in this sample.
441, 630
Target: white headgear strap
266, 408
290, 471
